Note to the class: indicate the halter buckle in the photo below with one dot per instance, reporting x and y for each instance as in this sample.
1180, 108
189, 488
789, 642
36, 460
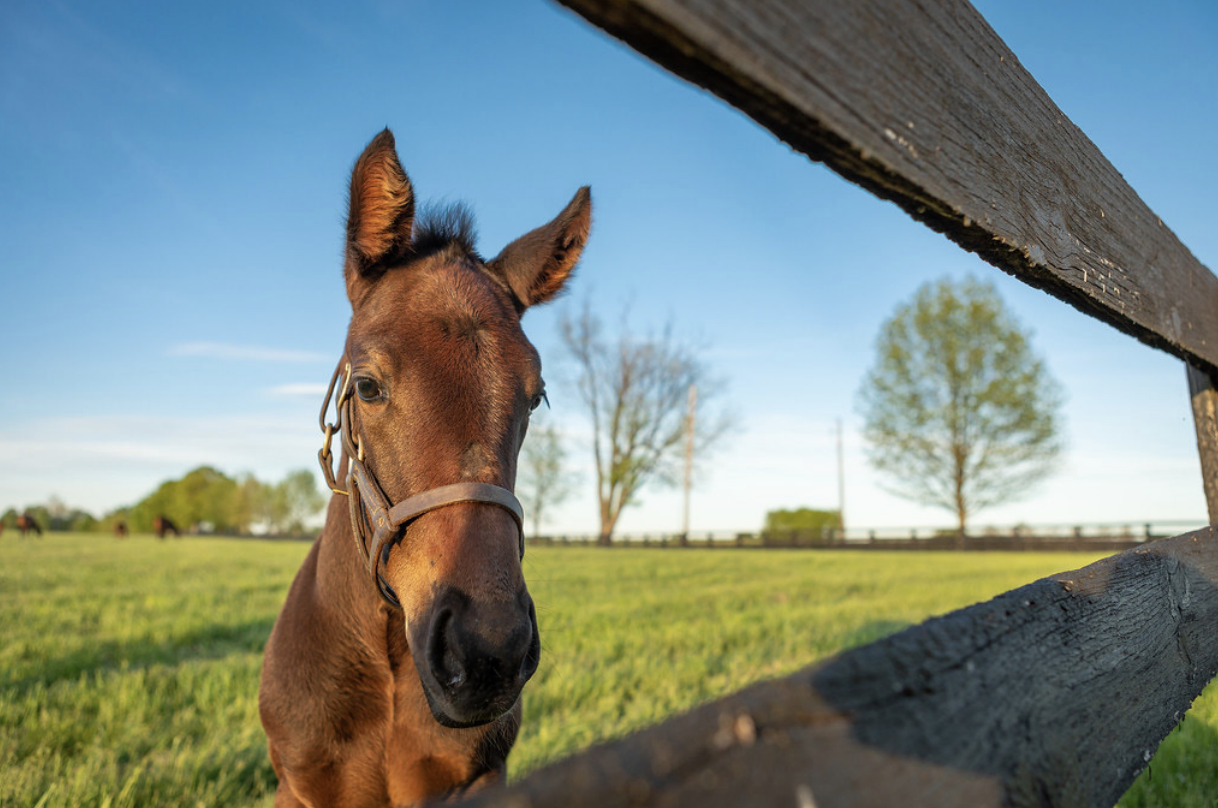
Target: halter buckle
325, 456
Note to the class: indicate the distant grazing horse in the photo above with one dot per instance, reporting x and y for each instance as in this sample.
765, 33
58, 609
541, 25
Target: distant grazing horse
163, 526
120, 529
394, 671
26, 523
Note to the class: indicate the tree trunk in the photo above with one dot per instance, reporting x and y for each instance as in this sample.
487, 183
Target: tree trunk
611, 509
961, 516
961, 505
608, 521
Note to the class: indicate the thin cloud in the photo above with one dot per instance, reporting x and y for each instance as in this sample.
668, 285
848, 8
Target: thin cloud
297, 390
100, 462
245, 353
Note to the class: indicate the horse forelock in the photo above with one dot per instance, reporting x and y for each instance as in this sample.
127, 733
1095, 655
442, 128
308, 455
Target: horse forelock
445, 226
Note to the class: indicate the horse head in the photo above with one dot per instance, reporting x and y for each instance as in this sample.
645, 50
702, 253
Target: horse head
441, 383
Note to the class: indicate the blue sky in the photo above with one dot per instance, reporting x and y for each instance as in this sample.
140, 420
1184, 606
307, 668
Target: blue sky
172, 194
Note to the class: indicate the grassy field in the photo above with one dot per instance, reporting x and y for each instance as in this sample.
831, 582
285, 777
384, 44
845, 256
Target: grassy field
129, 670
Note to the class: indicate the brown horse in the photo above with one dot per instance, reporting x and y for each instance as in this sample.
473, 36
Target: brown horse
394, 671
163, 526
27, 523
120, 529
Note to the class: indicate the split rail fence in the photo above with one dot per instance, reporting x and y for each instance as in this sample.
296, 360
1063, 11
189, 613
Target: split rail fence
1053, 694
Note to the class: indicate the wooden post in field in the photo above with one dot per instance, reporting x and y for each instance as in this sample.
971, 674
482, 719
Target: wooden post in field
689, 458
841, 485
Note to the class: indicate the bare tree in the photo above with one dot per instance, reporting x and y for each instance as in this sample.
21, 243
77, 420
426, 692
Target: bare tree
635, 390
542, 479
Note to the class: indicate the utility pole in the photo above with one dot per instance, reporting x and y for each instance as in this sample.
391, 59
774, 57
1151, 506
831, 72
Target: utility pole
689, 458
841, 483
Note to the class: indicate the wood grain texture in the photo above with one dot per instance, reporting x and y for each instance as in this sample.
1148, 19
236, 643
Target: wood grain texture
1205, 419
1056, 693
923, 104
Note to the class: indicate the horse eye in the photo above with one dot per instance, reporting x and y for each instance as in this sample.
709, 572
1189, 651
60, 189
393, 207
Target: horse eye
537, 399
369, 389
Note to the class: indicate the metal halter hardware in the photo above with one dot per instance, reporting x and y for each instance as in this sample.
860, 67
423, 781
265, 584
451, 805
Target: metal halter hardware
370, 509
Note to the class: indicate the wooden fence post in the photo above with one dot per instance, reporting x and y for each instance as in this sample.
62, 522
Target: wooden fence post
1205, 419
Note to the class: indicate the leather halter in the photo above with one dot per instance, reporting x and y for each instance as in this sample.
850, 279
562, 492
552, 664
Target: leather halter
370, 509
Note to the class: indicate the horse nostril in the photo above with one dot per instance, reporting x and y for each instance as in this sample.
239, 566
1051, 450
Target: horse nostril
453, 669
532, 657
444, 652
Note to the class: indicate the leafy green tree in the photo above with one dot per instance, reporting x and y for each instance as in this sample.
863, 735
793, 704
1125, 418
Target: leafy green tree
203, 499
82, 521
252, 503
209, 500
296, 499
156, 504
541, 479
959, 411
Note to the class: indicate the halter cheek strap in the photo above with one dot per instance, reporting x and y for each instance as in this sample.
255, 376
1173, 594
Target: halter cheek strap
371, 512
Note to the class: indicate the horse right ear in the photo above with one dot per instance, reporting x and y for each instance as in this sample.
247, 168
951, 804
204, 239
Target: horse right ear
380, 218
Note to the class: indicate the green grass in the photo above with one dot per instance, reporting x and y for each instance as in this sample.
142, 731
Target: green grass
129, 670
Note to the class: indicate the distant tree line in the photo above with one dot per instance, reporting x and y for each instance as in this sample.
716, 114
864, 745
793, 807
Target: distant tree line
205, 500
53, 515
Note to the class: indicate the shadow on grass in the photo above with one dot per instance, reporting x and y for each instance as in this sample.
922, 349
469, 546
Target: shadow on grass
874, 630
207, 643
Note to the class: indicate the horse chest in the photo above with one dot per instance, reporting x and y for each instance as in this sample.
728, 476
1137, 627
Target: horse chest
421, 757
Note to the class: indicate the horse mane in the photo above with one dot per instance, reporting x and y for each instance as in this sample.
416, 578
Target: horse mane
440, 226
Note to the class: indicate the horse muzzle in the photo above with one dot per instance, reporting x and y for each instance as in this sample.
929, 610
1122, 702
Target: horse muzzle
473, 658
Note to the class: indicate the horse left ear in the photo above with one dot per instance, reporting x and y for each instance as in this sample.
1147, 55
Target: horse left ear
537, 264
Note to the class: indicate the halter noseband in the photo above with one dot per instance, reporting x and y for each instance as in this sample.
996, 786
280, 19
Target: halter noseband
370, 509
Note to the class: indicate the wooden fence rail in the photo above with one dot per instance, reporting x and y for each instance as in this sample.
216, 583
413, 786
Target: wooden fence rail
923, 104
1054, 694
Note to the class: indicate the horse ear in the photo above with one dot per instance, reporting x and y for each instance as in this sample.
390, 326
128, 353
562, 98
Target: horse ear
537, 264
381, 214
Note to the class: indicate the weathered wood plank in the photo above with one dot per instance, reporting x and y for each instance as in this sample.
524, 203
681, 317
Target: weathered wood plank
1056, 693
1205, 419
923, 104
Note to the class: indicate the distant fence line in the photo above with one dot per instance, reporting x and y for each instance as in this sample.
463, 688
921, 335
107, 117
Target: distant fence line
1098, 537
